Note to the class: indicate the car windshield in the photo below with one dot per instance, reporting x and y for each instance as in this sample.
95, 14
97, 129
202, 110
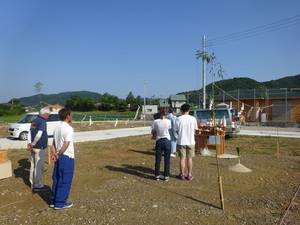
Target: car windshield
28, 118
222, 113
53, 117
208, 114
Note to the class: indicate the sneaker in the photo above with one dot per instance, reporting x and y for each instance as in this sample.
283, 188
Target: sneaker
190, 177
44, 188
180, 177
173, 155
166, 178
156, 177
67, 206
51, 205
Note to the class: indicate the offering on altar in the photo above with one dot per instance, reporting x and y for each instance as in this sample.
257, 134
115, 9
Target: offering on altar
210, 138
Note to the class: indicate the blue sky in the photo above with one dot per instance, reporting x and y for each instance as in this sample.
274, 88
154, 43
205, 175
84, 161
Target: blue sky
116, 46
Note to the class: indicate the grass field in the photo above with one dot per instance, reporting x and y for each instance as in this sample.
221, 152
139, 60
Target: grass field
12, 119
78, 116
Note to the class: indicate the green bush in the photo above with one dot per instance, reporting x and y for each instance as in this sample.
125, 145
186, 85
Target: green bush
7, 110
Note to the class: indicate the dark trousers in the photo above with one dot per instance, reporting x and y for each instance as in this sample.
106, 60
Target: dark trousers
162, 146
62, 180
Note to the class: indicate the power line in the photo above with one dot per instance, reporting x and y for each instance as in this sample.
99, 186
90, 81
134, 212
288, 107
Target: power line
260, 27
256, 31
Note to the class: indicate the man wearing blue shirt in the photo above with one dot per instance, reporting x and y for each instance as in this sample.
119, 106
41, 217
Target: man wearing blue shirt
37, 145
173, 134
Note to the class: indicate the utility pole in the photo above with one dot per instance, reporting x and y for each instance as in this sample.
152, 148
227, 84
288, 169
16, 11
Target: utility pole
204, 73
144, 103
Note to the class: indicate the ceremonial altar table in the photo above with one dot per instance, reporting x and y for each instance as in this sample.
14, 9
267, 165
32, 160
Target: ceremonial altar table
212, 138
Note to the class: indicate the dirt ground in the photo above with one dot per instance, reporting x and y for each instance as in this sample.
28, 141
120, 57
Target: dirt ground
113, 184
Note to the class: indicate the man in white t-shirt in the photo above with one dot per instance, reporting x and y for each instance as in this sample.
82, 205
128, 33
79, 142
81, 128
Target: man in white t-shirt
186, 126
63, 156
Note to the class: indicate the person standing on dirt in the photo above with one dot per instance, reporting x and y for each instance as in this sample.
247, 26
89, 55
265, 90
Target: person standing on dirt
160, 129
37, 143
63, 156
185, 126
173, 134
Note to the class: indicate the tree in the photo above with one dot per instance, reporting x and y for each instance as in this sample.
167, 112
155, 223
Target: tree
154, 100
75, 102
78, 103
109, 102
89, 104
6, 110
130, 99
38, 87
211, 60
122, 105
138, 101
15, 101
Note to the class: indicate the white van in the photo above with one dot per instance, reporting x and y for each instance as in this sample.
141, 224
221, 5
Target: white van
222, 111
20, 129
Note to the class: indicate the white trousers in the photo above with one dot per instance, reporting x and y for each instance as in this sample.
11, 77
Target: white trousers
37, 167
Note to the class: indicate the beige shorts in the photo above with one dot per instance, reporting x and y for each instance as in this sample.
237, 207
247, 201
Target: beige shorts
186, 151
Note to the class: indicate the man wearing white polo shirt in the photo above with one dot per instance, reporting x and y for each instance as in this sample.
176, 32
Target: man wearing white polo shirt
63, 156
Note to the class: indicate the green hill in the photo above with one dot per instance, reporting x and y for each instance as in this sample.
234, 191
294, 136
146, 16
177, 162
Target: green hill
286, 82
248, 83
226, 85
244, 83
53, 99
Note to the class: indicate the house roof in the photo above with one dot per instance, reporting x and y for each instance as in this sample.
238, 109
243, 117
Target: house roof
177, 98
54, 106
164, 103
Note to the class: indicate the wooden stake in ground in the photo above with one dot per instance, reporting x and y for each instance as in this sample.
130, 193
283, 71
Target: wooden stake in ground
220, 180
277, 144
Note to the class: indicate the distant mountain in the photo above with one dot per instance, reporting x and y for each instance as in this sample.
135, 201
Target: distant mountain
237, 83
193, 95
248, 83
53, 99
244, 83
286, 82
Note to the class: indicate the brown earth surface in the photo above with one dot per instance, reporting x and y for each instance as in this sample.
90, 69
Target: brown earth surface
113, 184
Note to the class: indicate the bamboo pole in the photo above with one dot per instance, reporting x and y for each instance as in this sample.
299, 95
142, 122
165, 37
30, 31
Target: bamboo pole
219, 179
221, 192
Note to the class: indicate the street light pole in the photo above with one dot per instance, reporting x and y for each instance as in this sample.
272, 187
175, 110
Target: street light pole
144, 103
204, 73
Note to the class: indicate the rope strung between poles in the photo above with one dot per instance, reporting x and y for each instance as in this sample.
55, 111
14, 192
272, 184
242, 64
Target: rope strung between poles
281, 221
